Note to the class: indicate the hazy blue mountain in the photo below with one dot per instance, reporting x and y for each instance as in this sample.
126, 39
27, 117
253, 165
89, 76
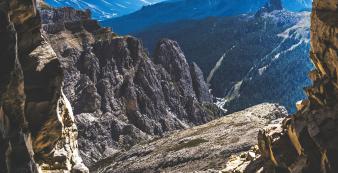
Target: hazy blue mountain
247, 59
104, 9
174, 10
171, 11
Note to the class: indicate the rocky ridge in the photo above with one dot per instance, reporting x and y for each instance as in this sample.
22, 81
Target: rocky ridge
204, 148
119, 95
37, 128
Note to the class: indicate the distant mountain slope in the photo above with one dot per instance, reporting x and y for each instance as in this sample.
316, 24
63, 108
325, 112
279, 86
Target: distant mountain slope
280, 75
171, 11
249, 59
104, 9
175, 10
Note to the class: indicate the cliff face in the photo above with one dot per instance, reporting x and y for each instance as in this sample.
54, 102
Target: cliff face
308, 140
119, 95
37, 128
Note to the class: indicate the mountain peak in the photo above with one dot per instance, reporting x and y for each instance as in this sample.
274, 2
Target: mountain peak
274, 5
271, 5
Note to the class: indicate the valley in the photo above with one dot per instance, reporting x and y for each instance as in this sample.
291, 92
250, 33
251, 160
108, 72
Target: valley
216, 94
246, 59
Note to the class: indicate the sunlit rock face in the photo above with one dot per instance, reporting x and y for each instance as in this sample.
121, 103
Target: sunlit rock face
38, 132
308, 140
119, 95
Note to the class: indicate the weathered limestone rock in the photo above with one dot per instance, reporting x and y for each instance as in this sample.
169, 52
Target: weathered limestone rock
248, 161
37, 128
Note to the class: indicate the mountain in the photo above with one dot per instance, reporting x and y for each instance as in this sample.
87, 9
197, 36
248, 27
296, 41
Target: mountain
172, 11
119, 95
46, 52
270, 6
104, 9
247, 59
281, 74
72, 90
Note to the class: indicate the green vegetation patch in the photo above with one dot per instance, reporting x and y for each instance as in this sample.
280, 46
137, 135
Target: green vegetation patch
189, 144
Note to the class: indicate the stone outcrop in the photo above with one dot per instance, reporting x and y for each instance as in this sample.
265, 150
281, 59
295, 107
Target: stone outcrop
37, 128
119, 95
307, 141
204, 148
199, 84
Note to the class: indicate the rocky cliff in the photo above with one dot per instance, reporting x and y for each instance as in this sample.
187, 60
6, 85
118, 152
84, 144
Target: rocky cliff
37, 128
119, 95
307, 141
